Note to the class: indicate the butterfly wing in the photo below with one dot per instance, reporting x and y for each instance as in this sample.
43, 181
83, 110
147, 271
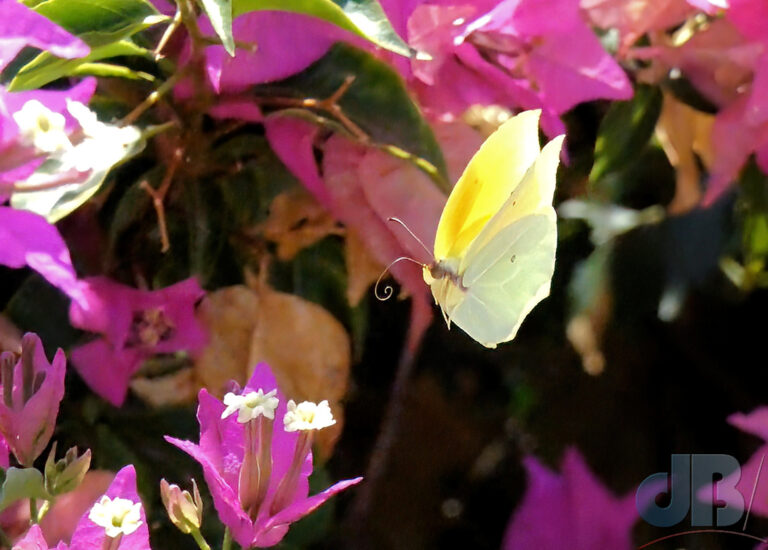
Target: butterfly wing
489, 178
533, 195
508, 268
506, 278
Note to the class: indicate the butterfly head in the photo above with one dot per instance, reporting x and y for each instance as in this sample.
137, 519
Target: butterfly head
445, 269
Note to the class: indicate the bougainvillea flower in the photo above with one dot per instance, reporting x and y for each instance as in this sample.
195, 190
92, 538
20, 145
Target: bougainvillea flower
276, 53
634, 19
21, 26
134, 325
32, 390
742, 127
752, 476
516, 55
29, 240
573, 506
60, 522
255, 450
116, 520
33, 125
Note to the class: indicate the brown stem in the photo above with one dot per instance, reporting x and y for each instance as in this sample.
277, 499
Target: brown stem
330, 105
152, 98
175, 23
382, 448
158, 196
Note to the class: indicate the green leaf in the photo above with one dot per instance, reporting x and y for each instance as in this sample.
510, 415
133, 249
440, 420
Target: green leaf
220, 14
21, 483
377, 101
112, 71
249, 192
624, 131
46, 67
365, 18
590, 278
99, 22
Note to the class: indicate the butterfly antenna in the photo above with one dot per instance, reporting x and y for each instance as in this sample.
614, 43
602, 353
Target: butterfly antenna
411, 233
388, 290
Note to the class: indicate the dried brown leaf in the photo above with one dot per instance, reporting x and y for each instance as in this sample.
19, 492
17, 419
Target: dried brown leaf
308, 350
229, 315
296, 220
685, 133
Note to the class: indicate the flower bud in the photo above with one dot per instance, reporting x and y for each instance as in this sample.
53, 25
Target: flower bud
66, 474
184, 510
32, 389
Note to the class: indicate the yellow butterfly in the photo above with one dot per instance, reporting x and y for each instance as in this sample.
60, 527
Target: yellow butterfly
494, 252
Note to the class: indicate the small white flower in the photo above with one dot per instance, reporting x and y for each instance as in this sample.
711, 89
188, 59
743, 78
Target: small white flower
308, 416
251, 405
42, 128
118, 516
103, 146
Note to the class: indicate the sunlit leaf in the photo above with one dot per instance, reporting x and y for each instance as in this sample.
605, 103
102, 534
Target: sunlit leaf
46, 67
624, 131
99, 22
21, 483
220, 14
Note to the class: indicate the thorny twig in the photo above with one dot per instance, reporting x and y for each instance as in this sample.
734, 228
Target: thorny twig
158, 196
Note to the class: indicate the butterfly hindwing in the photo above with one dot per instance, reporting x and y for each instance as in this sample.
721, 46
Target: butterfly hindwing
506, 278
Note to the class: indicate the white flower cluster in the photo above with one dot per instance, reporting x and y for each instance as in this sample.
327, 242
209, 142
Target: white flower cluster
101, 147
251, 405
308, 416
118, 516
304, 416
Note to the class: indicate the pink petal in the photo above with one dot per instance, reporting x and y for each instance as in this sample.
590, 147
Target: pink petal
306, 506
755, 422
292, 140
29, 240
750, 17
107, 371
221, 440
734, 139
59, 524
28, 429
225, 498
5, 461
573, 507
33, 540
20, 26
571, 68
279, 53
89, 535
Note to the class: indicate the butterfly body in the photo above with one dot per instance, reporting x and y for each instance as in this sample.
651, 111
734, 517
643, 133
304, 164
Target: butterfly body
495, 243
